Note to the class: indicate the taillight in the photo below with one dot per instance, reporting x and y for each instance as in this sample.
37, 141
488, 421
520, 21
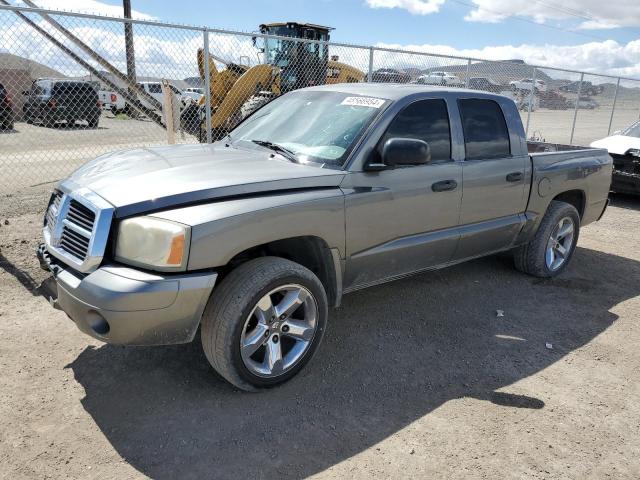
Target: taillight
7, 100
52, 104
114, 99
99, 104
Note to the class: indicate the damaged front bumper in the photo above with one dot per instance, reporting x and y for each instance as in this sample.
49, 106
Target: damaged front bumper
122, 305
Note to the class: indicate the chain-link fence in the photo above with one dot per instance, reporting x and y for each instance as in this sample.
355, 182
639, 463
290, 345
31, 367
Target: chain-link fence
74, 86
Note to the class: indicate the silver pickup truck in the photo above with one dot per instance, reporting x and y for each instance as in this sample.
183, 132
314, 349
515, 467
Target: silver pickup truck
321, 192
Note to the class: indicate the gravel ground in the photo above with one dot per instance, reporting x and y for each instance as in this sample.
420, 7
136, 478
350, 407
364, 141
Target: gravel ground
415, 379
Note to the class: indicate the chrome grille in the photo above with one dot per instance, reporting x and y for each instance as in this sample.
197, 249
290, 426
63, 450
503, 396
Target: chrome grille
54, 208
76, 228
81, 215
74, 243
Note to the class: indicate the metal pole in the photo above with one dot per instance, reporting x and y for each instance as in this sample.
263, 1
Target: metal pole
531, 99
575, 110
207, 86
370, 74
468, 73
128, 44
613, 107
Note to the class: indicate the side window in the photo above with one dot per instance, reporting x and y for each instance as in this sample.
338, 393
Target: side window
154, 88
426, 120
485, 131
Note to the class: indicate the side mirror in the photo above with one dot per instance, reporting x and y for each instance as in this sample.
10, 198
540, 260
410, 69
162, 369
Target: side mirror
405, 151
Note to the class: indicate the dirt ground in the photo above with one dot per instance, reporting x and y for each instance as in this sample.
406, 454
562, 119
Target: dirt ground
415, 379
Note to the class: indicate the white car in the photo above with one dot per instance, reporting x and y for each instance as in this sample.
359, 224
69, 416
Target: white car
527, 83
155, 90
194, 93
111, 101
624, 148
440, 78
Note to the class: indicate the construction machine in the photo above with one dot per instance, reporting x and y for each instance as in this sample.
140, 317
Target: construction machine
238, 90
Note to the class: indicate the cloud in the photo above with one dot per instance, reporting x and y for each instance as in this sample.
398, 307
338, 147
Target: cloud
590, 14
416, 7
606, 57
93, 7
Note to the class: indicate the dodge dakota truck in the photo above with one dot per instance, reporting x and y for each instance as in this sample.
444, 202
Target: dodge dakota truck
321, 192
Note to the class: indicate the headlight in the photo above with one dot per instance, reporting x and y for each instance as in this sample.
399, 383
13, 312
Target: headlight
153, 243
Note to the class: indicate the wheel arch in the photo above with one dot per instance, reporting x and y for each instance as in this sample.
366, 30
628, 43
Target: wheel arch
576, 197
309, 251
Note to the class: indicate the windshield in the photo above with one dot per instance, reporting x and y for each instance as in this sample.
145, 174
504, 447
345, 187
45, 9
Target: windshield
632, 131
318, 126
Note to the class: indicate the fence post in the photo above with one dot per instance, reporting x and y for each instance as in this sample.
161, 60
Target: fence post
207, 85
575, 110
531, 100
468, 73
370, 74
613, 107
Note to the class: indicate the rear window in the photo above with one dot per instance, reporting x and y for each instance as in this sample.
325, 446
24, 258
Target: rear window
3, 92
73, 89
485, 130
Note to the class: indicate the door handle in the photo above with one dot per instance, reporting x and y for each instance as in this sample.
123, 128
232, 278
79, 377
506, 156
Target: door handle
514, 177
444, 186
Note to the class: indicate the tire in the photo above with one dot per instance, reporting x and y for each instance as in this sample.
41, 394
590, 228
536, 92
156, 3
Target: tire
228, 317
93, 122
533, 257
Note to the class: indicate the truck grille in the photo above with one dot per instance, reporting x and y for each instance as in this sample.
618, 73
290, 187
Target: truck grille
76, 228
74, 243
54, 208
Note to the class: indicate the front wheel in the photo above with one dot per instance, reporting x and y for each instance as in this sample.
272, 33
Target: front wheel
552, 247
264, 322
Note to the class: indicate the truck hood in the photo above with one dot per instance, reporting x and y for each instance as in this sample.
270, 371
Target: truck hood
142, 180
617, 144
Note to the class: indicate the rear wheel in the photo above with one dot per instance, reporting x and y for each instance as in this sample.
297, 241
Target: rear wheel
264, 322
552, 247
93, 122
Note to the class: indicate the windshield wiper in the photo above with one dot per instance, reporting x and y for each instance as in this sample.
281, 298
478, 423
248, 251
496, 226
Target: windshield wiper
285, 152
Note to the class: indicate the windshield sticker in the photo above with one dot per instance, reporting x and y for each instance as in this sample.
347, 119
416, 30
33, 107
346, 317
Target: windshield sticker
363, 102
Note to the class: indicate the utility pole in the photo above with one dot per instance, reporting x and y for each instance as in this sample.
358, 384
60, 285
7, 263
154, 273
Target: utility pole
128, 47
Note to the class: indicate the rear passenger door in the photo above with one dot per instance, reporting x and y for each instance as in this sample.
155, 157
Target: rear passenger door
494, 174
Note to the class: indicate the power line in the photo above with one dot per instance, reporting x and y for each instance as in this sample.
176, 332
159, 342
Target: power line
526, 20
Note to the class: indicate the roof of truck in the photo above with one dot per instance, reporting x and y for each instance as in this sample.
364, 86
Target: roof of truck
396, 91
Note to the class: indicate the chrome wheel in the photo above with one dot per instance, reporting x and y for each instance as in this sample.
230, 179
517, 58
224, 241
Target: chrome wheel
279, 330
559, 244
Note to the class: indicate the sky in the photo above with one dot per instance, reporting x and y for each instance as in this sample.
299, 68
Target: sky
591, 35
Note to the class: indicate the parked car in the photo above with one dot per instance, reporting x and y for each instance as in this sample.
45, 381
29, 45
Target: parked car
6, 109
527, 84
584, 102
624, 148
440, 78
323, 192
155, 90
194, 93
587, 88
112, 101
52, 100
390, 75
485, 84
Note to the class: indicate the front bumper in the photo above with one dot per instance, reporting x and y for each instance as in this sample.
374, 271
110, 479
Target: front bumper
121, 305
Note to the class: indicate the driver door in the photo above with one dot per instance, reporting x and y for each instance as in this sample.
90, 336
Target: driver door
405, 219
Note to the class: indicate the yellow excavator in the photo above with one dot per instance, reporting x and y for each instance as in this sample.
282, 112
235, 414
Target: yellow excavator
238, 90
